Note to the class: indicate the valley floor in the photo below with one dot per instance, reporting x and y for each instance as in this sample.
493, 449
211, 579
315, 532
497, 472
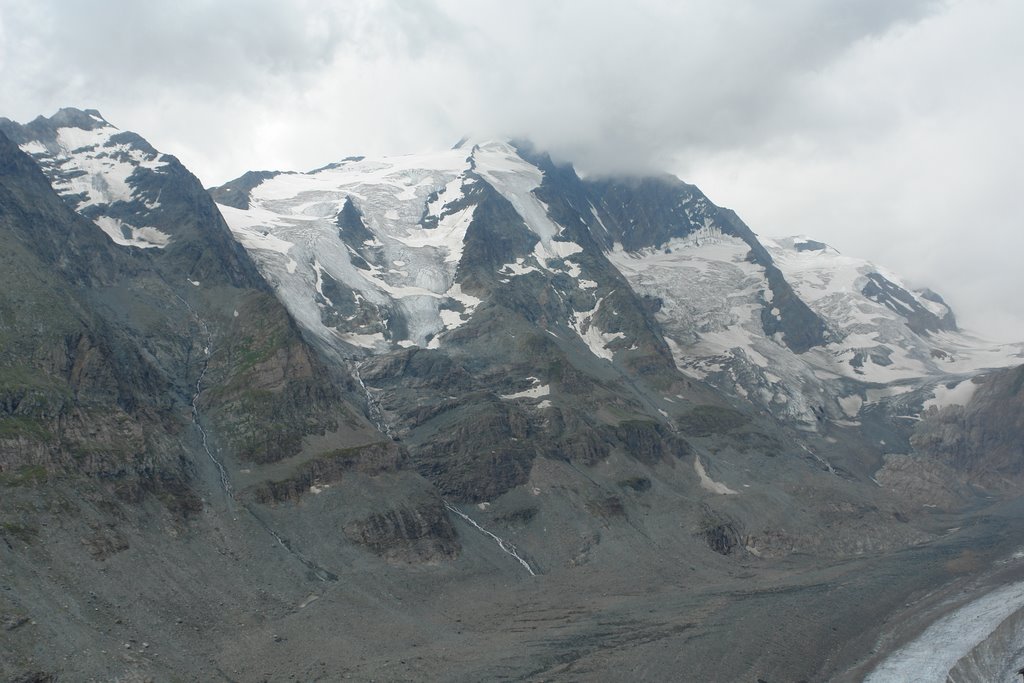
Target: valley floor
167, 608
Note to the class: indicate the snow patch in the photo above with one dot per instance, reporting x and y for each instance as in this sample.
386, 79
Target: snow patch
851, 404
536, 391
366, 341
959, 394
595, 339
34, 147
707, 483
143, 238
517, 268
252, 229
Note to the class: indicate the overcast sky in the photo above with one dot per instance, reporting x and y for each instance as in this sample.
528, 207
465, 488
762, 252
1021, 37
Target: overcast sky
890, 129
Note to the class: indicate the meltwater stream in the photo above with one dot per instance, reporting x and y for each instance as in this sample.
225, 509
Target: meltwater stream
503, 544
316, 570
372, 404
208, 342
375, 412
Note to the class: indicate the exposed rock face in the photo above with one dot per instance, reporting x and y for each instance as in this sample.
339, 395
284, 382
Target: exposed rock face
923, 481
919, 318
236, 193
487, 455
407, 533
77, 396
983, 439
649, 442
722, 538
272, 391
330, 468
192, 309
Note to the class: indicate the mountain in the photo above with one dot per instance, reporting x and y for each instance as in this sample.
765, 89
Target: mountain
137, 196
880, 337
466, 415
729, 304
152, 390
170, 277
973, 429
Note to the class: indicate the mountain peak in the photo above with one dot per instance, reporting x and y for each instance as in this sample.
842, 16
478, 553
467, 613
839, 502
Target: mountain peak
472, 142
805, 243
71, 117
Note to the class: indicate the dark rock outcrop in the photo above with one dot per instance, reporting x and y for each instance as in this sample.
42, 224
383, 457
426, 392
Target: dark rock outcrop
330, 468
983, 439
407, 533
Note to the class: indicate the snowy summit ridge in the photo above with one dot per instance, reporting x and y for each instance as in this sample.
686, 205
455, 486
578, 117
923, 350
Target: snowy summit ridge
99, 170
378, 241
371, 253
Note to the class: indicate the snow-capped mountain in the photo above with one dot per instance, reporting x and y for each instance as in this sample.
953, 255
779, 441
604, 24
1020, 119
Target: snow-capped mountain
375, 254
104, 173
881, 337
144, 201
372, 253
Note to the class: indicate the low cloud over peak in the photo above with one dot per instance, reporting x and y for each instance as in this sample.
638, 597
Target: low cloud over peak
884, 128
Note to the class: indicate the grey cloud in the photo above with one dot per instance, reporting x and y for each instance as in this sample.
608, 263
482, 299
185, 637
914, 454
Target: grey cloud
614, 85
883, 127
618, 88
140, 46
910, 157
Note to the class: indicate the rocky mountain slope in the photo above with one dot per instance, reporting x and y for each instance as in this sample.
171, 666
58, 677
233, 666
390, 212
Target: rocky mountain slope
971, 436
479, 415
151, 378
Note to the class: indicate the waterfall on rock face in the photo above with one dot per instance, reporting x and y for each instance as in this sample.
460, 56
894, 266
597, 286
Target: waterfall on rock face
504, 545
